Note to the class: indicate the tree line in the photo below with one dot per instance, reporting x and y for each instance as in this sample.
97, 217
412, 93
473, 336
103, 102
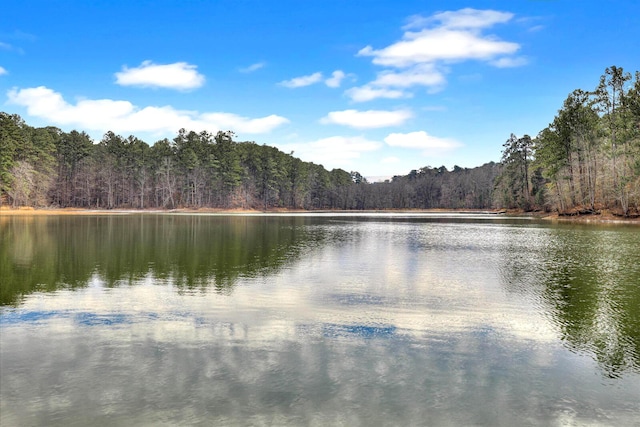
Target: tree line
46, 167
587, 159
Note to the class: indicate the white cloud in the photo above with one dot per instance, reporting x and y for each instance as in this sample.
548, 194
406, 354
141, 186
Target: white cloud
3, 71
351, 147
368, 93
243, 124
124, 117
367, 119
302, 81
387, 82
336, 78
332, 152
536, 28
179, 75
463, 18
420, 57
334, 81
509, 62
440, 44
253, 67
420, 75
421, 140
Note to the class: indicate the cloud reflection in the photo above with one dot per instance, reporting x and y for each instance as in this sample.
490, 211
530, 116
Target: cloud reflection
380, 322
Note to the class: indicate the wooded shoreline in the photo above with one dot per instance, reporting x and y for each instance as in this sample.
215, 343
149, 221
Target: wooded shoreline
584, 164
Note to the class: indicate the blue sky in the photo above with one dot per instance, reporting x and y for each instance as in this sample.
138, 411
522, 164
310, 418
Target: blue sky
381, 87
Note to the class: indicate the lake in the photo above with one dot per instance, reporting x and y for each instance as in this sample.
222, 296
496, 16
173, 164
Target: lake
317, 319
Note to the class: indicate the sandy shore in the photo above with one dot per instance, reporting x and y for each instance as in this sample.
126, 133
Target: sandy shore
604, 217
79, 211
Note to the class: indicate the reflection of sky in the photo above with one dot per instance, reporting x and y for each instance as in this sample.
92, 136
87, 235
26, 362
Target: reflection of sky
394, 324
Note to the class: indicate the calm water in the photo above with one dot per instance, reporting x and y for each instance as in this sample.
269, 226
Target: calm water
320, 320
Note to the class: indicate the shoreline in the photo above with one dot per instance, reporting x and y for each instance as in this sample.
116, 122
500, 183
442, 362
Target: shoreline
604, 217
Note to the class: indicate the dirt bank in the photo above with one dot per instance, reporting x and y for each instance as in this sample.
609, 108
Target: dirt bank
602, 217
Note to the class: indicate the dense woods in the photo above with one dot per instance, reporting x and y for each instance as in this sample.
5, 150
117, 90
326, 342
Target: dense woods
49, 167
46, 167
587, 159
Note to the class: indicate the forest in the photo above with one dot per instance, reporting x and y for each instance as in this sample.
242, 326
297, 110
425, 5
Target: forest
586, 160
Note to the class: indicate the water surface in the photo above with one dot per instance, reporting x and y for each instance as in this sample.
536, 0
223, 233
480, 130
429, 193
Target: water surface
379, 319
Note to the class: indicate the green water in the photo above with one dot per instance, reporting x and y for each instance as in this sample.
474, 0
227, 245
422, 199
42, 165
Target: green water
357, 320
